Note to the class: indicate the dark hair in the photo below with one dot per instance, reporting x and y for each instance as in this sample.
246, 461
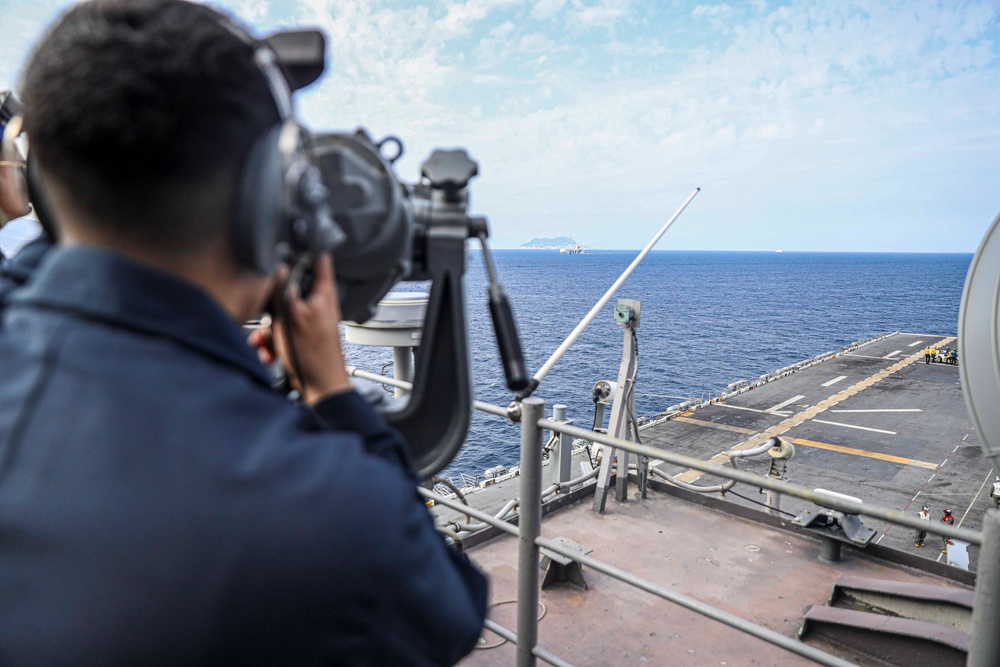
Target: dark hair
134, 104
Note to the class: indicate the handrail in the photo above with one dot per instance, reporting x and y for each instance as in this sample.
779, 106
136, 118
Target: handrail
538, 650
403, 384
528, 571
817, 496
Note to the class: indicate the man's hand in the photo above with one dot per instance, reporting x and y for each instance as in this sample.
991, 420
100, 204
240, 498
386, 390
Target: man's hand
314, 326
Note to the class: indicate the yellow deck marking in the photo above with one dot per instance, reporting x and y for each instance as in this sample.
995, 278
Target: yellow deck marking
721, 427
809, 413
865, 453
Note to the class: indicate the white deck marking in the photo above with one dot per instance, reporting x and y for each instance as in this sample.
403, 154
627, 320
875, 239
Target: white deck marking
737, 407
862, 356
915, 343
892, 354
862, 428
834, 381
774, 408
883, 410
976, 498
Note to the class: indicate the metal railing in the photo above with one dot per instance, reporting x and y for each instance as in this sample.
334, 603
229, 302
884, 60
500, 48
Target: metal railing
528, 533
530, 541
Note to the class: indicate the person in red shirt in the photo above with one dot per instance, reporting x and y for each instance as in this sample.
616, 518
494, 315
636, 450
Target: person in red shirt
948, 519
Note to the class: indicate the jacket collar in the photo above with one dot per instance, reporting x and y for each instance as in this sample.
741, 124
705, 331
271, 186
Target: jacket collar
107, 286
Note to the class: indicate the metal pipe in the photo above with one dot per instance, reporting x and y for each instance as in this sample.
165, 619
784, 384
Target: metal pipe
512, 638
469, 511
589, 317
816, 496
984, 650
569, 484
476, 527
529, 527
402, 369
733, 621
400, 384
718, 488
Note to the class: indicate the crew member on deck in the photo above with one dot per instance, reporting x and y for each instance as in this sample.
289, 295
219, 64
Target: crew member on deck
160, 503
921, 534
948, 519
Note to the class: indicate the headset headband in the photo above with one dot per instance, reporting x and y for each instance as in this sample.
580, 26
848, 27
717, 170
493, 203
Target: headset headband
266, 62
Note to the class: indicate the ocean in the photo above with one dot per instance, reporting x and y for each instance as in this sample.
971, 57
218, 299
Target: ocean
707, 319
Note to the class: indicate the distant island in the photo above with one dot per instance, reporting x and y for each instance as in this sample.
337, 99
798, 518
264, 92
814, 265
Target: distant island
555, 243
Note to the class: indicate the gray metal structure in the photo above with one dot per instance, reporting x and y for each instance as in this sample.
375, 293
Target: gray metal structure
627, 314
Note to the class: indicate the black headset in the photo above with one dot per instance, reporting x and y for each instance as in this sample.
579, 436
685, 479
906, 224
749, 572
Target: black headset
281, 208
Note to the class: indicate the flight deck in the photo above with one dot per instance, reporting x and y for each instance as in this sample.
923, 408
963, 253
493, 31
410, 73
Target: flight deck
877, 423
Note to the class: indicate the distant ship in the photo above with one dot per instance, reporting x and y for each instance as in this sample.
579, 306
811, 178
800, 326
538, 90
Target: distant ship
571, 250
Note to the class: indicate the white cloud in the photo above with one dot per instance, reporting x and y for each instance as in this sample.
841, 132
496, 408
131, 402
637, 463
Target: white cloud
250, 10
710, 10
546, 9
604, 13
461, 16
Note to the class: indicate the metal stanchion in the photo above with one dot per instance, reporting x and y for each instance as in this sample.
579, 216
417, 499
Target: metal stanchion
529, 527
984, 650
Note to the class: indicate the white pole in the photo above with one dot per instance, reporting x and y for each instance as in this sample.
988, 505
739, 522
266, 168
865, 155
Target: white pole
547, 366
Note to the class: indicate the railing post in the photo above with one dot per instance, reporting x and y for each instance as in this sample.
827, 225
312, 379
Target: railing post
561, 456
773, 502
984, 649
529, 528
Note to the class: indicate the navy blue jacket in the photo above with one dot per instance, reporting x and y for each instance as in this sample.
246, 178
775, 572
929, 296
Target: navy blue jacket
160, 504
15, 270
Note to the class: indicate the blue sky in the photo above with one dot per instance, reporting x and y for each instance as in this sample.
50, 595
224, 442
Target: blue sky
839, 126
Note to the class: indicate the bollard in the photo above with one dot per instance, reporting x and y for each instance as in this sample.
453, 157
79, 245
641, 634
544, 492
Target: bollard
829, 550
529, 524
561, 456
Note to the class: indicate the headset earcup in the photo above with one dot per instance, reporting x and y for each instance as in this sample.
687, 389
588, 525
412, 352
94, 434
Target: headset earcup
259, 209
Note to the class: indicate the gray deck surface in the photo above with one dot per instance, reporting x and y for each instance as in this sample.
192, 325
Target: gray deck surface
927, 455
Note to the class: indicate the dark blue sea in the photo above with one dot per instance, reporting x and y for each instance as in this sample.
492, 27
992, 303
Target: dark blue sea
708, 319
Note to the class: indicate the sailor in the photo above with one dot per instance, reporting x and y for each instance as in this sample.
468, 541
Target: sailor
927, 355
160, 503
13, 188
14, 203
933, 354
995, 492
921, 533
949, 520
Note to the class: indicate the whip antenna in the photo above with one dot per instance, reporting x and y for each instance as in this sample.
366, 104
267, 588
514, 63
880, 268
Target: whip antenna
589, 317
